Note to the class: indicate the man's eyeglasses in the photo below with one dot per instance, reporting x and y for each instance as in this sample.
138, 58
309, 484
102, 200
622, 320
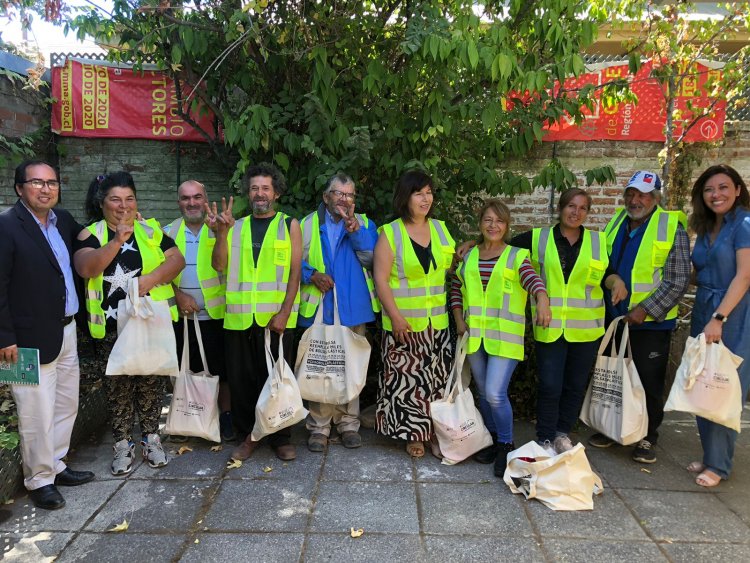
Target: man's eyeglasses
339, 194
38, 184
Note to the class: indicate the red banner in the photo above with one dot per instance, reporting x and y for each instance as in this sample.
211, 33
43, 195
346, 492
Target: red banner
645, 120
101, 101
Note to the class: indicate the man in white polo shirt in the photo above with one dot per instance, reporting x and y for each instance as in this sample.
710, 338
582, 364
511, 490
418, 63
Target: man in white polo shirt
200, 289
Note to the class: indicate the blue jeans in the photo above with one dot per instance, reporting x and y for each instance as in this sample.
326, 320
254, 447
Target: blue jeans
492, 374
564, 369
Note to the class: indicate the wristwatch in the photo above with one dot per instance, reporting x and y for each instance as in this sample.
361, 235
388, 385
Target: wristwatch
719, 317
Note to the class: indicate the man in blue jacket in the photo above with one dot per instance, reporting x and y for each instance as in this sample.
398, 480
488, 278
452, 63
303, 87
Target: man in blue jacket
338, 247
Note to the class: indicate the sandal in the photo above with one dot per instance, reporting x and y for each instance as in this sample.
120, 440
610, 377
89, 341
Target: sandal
415, 448
695, 467
435, 448
707, 479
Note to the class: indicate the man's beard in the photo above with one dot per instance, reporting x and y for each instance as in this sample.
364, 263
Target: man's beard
261, 206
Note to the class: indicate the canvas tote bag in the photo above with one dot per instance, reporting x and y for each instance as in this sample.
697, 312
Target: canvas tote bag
615, 402
194, 410
145, 342
458, 424
279, 404
561, 482
707, 383
332, 360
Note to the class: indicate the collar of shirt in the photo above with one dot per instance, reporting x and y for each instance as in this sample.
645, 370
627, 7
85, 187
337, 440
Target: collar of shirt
632, 232
190, 235
559, 236
51, 217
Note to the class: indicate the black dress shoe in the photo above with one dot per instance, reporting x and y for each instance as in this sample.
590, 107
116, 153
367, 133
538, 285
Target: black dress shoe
47, 497
69, 478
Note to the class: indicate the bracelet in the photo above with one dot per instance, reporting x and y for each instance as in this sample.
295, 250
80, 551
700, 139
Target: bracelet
719, 317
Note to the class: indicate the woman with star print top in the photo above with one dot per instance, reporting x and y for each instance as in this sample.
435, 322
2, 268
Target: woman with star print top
116, 247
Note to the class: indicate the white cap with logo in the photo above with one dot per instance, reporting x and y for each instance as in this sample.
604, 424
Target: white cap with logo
644, 181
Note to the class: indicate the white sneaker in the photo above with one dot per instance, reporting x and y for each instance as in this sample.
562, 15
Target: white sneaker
562, 444
122, 464
548, 447
153, 452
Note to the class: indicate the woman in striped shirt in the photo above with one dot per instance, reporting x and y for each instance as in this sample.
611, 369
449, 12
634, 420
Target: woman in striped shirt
488, 300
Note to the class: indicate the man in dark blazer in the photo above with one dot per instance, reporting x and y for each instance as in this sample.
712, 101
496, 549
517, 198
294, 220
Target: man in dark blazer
38, 302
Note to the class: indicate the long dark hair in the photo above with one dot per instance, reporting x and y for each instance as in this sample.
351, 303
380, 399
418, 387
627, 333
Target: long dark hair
98, 190
410, 182
703, 219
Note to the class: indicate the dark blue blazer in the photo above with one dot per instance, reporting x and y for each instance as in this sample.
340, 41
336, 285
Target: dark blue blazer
32, 286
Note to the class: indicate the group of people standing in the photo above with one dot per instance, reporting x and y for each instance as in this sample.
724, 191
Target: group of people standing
268, 273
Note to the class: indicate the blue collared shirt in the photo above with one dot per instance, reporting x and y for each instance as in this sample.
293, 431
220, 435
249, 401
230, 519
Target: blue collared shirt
335, 232
57, 244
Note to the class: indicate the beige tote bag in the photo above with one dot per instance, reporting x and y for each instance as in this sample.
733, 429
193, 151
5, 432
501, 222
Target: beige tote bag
194, 410
561, 482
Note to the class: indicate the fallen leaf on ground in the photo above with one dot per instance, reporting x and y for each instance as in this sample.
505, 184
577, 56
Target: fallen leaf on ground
217, 448
357, 533
120, 527
9, 501
645, 470
267, 469
234, 464
197, 540
184, 449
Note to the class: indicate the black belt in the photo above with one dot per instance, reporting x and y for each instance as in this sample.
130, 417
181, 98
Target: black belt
67, 320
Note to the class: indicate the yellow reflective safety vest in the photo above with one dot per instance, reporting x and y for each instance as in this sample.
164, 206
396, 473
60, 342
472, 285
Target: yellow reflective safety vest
496, 315
255, 292
652, 254
148, 235
420, 297
312, 253
578, 305
211, 282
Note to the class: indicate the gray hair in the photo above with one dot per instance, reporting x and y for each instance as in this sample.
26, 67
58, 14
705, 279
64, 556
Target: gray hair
339, 178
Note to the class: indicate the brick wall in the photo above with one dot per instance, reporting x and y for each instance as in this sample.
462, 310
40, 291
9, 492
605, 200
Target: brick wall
153, 164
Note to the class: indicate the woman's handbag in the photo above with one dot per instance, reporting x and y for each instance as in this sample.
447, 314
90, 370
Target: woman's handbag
561, 482
194, 410
279, 404
707, 383
145, 342
615, 402
458, 424
332, 361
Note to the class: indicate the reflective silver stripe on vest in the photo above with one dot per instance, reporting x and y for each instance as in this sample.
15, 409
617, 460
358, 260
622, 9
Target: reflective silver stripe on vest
555, 323
440, 232
417, 291
541, 251
172, 302
596, 247
174, 227
595, 323
147, 228
421, 313
498, 313
646, 287
662, 232
93, 294
216, 302
558, 301
398, 250
663, 227
211, 282
307, 235
234, 273
497, 335
96, 319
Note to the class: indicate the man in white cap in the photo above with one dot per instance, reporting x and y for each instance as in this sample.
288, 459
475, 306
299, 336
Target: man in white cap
650, 250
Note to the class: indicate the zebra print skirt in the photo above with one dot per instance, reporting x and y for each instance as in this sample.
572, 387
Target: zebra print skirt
414, 374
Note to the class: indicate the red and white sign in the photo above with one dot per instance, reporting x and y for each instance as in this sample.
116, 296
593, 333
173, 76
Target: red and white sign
102, 101
645, 120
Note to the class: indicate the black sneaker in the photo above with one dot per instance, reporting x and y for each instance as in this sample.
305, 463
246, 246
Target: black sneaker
486, 455
501, 461
644, 452
600, 441
226, 428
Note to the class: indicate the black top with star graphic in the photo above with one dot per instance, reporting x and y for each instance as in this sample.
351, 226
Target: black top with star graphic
126, 265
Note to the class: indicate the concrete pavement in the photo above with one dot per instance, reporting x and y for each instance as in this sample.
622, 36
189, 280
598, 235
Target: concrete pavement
196, 509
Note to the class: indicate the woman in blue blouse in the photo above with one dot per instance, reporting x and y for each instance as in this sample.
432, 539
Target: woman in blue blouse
721, 258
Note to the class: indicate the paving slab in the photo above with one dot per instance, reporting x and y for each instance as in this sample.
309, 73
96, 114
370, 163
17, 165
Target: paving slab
81, 503
260, 506
474, 509
160, 505
377, 462
374, 548
376, 507
610, 519
432, 470
708, 552
450, 549
739, 503
34, 546
585, 551
674, 515
200, 463
304, 469
121, 548
261, 548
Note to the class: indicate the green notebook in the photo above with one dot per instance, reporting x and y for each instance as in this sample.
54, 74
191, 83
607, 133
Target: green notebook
25, 371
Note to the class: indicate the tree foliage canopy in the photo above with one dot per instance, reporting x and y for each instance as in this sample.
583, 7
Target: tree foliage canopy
370, 87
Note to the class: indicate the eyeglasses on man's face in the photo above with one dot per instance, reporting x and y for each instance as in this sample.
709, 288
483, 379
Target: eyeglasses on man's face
38, 184
339, 194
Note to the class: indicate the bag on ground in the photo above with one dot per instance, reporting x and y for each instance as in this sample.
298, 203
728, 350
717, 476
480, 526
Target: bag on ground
145, 342
332, 361
194, 410
280, 403
561, 482
615, 402
707, 383
458, 424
